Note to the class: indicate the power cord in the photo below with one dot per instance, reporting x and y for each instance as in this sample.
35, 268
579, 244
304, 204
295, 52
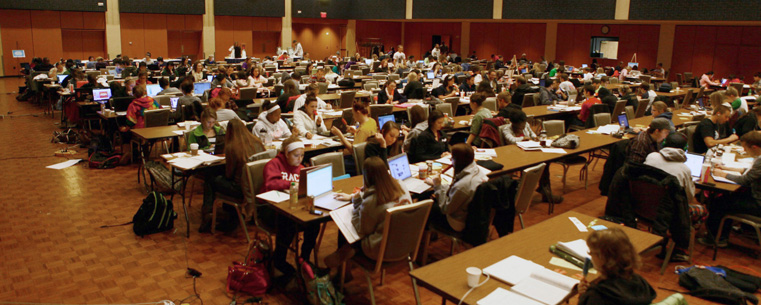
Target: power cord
190, 273
474, 287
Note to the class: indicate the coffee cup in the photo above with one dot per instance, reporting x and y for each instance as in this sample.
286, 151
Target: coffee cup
194, 149
474, 274
422, 171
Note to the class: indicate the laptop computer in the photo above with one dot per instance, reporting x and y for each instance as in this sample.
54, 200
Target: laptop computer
61, 78
153, 90
430, 75
320, 185
399, 166
542, 83
524, 70
584, 65
101, 95
623, 120
695, 163
209, 77
724, 82
385, 118
200, 88
173, 102
571, 100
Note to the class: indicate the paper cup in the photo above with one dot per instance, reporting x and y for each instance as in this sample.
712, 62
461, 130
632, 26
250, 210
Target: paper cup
474, 274
194, 149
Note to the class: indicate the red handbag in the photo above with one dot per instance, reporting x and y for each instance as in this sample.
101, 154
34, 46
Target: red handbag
252, 276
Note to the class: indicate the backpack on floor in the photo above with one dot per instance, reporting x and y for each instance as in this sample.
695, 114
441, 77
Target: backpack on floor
155, 215
706, 284
102, 160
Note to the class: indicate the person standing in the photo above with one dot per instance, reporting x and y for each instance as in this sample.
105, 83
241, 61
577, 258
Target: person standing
298, 51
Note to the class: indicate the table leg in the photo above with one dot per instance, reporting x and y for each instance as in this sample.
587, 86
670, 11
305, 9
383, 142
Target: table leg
184, 179
319, 241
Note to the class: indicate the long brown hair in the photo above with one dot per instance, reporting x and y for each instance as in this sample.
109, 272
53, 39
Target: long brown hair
387, 188
617, 254
417, 115
240, 144
462, 155
387, 127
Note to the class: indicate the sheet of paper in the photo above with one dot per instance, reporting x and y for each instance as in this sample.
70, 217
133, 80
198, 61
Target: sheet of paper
578, 224
502, 296
529, 145
544, 287
179, 132
342, 218
274, 196
608, 129
554, 150
578, 248
64, 164
720, 179
447, 161
186, 163
486, 151
567, 265
728, 158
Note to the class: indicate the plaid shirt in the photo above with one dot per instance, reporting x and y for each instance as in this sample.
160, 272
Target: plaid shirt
640, 147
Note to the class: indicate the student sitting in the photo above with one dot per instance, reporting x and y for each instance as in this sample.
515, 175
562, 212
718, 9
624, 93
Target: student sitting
480, 113
243, 81
306, 120
208, 133
552, 94
485, 89
223, 114
517, 130
505, 104
447, 89
737, 103
419, 123
430, 144
239, 146
380, 193
748, 202
389, 95
661, 110
167, 90
522, 88
279, 173
749, 122
386, 143
451, 208
566, 85
291, 92
706, 80
589, 93
469, 85
139, 105
169, 70
707, 133
256, 77
269, 126
312, 89
648, 142
189, 102
615, 258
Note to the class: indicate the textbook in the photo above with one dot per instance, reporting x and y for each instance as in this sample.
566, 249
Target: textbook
342, 218
530, 281
578, 248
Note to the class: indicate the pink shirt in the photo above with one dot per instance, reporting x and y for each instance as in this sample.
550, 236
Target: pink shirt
705, 81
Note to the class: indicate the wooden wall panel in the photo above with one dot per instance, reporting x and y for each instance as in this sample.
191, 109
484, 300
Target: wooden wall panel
387, 33
94, 43
507, 39
72, 20
93, 20
320, 38
156, 35
573, 43
133, 35
46, 32
723, 49
73, 46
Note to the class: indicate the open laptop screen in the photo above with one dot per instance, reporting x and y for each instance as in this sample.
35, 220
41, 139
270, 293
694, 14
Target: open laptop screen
623, 120
173, 101
400, 167
320, 181
385, 118
430, 75
153, 90
200, 88
695, 163
100, 95
61, 77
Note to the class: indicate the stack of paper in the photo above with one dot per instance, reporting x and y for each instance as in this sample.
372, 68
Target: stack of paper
529, 145
187, 161
486, 152
578, 248
608, 129
532, 283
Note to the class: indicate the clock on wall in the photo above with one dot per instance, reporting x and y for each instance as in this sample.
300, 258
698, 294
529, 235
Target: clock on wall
605, 29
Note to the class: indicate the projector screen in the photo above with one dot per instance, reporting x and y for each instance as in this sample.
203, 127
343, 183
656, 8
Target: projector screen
609, 49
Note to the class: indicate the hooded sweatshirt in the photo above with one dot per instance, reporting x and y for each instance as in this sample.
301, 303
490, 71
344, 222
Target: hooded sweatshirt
671, 160
278, 174
453, 200
135, 117
619, 291
264, 128
667, 115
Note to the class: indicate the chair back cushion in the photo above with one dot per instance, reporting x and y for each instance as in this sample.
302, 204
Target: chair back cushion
334, 158
403, 230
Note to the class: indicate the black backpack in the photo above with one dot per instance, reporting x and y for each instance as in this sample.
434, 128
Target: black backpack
155, 215
708, 285
665, 87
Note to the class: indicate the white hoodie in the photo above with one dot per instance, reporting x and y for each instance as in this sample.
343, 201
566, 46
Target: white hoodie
671, 160
263, 128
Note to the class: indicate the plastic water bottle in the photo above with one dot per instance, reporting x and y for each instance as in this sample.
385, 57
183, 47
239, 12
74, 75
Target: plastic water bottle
294, 191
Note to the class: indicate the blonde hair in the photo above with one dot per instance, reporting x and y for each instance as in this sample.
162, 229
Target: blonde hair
412, 77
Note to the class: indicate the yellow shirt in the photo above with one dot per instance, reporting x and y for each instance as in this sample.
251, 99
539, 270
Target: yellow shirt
368, 129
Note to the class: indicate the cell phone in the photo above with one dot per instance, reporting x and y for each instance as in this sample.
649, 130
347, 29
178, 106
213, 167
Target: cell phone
316, 212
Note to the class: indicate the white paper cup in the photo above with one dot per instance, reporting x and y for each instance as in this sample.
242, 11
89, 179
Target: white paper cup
474, 275
194, 148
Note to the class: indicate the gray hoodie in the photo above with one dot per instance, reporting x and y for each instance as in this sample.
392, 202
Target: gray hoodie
671, 160
454, 200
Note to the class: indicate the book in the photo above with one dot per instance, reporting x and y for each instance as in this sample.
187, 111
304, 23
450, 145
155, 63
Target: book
578, 248
532, 283
529, 145
342, 218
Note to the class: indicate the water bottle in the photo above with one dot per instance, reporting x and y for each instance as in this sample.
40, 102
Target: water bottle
294, 202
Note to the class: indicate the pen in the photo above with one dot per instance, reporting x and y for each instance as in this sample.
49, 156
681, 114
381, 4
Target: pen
587, 264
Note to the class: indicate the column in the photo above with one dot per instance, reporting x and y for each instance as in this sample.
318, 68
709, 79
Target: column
208, 35
666, 44
464, 39
497, 13
622, 10
408, 11
286, 33
550, 41
113, 29
351, 37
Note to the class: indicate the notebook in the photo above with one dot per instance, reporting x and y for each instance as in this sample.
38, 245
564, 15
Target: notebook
578, 248
319, 183
400, 170
529, 280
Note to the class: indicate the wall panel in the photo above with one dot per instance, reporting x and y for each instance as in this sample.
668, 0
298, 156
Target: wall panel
320, 38
452, 9
723, 49
253, 8
418, 36
573, 43
694, 10
553, 9
389, 34
507, 39
180, 7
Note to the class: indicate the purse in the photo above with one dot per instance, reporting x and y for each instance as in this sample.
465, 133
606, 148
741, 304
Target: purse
251, 276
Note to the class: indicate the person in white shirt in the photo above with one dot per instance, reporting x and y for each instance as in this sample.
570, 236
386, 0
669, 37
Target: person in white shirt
257, 78
298, 51
243, 51
270, 126
312, 90
399, 55
148, 60
436, 52
566, 85
223, 114
307, 122
588, 75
